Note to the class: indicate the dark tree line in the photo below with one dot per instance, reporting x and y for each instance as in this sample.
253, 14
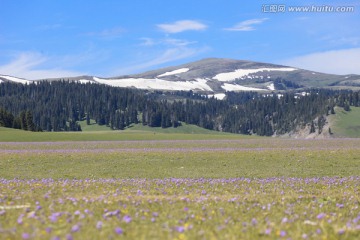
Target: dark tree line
60, 105
24, 121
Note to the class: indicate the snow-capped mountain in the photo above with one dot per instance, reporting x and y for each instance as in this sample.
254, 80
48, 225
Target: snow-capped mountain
5, 78
215, 75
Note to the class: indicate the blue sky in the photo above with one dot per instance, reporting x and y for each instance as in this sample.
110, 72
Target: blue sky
49, 38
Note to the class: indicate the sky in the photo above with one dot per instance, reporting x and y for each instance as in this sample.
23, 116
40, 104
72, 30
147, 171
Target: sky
49, 38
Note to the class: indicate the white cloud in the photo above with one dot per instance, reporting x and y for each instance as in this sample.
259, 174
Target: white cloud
30, 65
246, 25
166, 56
345, 61
172, 49
170, 55
178, 42
150, 42
181, 26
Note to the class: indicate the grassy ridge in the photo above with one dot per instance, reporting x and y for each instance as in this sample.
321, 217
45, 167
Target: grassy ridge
138, 133
183, 129
347, 124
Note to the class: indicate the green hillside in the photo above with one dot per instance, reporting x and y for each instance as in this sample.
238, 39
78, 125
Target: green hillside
93, 127
346, 124
138, 132
184, 128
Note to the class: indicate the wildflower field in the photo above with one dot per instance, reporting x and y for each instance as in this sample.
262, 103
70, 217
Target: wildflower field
261, 188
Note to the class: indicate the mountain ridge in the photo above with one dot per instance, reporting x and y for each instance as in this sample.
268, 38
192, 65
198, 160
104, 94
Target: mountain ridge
218, 75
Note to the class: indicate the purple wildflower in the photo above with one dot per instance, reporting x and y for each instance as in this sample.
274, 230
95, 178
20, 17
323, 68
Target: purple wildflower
254, 222
119, 231
180, 229
321, 216
25, 236
340, 205
282, 233
69, 237
341, 231
127, 219
53, 217
75, 228
20, 219
99, 225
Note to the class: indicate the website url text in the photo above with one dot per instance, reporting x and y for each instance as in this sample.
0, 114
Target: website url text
281, 8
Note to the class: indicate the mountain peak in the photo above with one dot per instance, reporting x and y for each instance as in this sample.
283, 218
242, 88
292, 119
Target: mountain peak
217, 75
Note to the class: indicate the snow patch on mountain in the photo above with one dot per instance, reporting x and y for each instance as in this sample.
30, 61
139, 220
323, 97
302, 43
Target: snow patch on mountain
271, 87
178, 71
219, 96
84, 81
241, 73
159, 84
15, 79
235, 87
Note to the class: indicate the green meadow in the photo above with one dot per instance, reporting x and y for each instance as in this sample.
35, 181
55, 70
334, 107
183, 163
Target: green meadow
253, 158
94, 132
145, 183
346, 124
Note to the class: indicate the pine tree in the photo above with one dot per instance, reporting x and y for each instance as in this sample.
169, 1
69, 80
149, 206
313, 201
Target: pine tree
29, 121
23, 122
312, 127
87, 118
332, 110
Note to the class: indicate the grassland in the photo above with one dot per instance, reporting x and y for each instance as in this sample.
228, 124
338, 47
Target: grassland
146, 185
102, 133
274, 208
259, 158
93, 126
182, 129
346, 124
